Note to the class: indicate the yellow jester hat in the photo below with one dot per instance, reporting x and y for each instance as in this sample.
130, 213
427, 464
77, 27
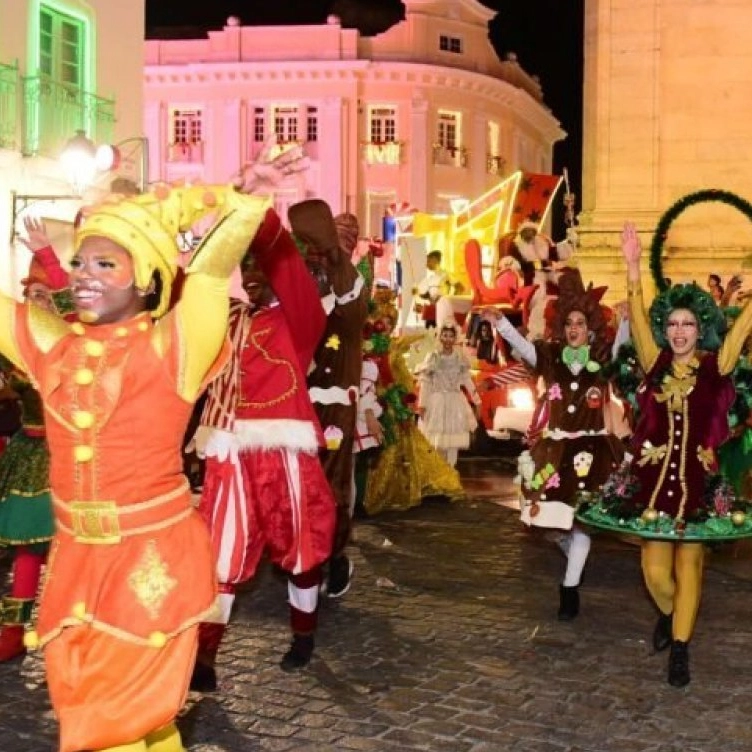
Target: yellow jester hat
147, 226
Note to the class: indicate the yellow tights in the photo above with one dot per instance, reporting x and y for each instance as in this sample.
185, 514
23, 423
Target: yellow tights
673, 575
166, 739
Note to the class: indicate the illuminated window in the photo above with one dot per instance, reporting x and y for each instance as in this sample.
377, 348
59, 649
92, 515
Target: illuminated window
450, 44
286, 123
186, 126
448, 130
382, 125
312, 124
259, 125
61, 46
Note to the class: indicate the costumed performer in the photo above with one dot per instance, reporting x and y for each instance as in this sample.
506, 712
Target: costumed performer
407, 469
334, 380
577, 429
130, 571
26, 520
264, 486
446, 418
671, 494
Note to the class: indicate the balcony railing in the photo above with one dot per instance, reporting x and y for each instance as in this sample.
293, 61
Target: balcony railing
454, 156
383, 152
54, 110
186, 151
9, 91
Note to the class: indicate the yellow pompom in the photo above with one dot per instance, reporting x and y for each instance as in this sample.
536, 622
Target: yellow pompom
31, 639
79, 610
157, 639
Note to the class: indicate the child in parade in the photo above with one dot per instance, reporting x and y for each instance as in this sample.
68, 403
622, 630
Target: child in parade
446, 418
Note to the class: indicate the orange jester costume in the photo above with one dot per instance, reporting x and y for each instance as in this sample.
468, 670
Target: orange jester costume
130, 572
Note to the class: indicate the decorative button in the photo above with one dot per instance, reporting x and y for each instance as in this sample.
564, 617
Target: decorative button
543, 497
142, 326
31, 639
83, 419
93, 348
78, 328
670, 493
571, 409
673, 464
79, 610
672, 477
121, 331
676, 446
83, 453
581, 484
574, 386
677, 433
84, 376
157, 639
677, 416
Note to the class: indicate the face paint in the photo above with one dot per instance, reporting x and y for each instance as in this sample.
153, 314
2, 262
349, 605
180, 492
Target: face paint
102, 282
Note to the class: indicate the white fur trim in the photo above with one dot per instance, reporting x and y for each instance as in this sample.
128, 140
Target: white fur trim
348, 297
276, 433
334, 395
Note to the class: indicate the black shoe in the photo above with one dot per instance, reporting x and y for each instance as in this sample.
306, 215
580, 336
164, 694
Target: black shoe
340, 576
662, 632
569, 602
299, 654
204, 678
678, 664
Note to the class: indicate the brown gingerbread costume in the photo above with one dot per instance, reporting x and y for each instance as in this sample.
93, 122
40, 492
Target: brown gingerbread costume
334, 380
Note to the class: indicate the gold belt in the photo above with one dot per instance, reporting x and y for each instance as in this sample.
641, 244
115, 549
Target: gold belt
106, 522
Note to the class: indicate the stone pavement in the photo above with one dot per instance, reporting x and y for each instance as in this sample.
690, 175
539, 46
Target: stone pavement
448, 641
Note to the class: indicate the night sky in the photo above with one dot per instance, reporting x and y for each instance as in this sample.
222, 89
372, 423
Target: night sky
545, 34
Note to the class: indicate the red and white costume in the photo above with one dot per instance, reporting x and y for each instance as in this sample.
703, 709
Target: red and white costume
264, 486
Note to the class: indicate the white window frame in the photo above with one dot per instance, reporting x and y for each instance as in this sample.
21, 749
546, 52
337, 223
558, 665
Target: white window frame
187, 125
382, 124
285, 122
451, 44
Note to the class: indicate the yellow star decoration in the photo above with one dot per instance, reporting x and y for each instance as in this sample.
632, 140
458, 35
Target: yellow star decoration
333, 342
150, 582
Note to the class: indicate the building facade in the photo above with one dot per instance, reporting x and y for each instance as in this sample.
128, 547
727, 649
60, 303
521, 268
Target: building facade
666, 114
66, 66
416, 117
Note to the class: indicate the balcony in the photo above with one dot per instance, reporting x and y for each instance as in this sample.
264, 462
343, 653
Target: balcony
452, 156
495, 164
9, 90
383, 152
53, 110
186, 151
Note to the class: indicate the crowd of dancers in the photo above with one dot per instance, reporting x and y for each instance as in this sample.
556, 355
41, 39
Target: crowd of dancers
306, 415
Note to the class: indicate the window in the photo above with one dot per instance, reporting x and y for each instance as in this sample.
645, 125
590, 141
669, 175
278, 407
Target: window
186, 126
450, 44
312, 124
382, 125
61, 47
286, 124
449, 127
259, 125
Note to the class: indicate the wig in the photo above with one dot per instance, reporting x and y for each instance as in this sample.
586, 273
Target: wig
711, 322
573, 296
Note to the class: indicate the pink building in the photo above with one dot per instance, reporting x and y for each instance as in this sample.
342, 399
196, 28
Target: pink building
422, 114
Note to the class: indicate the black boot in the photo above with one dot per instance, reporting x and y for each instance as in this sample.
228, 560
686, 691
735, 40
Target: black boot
678, 664
204, 677
299, 654
569, 602
662, 632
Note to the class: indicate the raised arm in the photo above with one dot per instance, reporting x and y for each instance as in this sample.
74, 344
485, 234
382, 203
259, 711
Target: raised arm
524, 347
731, 348
203, 308
631, 248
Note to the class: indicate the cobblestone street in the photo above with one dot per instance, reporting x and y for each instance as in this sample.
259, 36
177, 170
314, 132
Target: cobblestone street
448, 641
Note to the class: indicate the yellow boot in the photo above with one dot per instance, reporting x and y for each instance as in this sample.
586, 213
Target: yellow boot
166, 739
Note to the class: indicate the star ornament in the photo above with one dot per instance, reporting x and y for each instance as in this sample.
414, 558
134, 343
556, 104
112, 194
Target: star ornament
333, 342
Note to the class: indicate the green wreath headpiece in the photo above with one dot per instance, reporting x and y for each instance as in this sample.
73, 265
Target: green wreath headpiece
710, 319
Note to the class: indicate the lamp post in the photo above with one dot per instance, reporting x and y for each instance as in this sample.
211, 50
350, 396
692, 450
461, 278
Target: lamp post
82, 160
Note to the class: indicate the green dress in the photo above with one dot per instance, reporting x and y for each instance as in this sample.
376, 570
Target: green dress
25, 503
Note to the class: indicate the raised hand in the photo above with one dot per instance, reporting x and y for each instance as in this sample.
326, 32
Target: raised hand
264, 174
631, 247
36, 234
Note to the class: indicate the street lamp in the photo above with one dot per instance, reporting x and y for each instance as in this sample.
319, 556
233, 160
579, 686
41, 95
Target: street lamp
82, 160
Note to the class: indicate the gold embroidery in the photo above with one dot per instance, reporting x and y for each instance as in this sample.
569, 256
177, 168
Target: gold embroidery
652, 454
676, 387
706, 457
150, 581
